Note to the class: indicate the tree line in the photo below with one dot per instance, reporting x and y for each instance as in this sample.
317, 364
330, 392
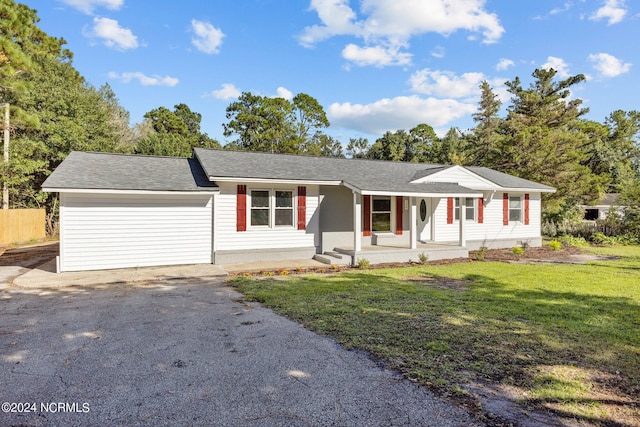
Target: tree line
542, 136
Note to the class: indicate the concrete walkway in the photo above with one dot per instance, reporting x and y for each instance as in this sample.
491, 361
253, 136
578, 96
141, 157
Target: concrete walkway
44, 276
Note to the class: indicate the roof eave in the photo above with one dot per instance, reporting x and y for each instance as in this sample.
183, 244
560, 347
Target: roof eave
127, 191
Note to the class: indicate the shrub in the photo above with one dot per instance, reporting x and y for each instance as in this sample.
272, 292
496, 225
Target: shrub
525, 245
601, 239
481, 253
284, 272
363, 263
555, 245
573, 241
517, 251
423, 258
549, 229
624, 239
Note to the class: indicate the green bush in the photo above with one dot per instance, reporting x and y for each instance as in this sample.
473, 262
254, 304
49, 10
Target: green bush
555, 245
549, 229
602, 239
624, 239
423, 258
573, 241
363, 263
481, 253
518, 251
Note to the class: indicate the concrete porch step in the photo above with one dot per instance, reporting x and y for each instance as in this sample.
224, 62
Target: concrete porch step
323, 259
334, 254
332, 258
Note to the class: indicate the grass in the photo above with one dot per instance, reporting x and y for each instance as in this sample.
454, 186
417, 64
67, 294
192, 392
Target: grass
566, 336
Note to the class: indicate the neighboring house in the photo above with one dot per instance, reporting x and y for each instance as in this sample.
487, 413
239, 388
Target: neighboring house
231, 206
599, 211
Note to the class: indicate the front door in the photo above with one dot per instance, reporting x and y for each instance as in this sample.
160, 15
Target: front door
424, 218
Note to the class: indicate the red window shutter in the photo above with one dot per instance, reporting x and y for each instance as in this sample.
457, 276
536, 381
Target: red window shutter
505, 209
302, 208
450, 210
526, 209
367, 216
480, 210
241, 208
398, 214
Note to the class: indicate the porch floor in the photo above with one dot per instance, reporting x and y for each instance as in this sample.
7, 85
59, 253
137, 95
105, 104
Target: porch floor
377, 254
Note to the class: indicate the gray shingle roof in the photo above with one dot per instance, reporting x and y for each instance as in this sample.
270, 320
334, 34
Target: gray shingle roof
365, 175
103, 171
506, 180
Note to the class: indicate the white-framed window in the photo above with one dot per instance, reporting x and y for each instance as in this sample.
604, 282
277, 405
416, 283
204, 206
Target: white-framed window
283, 208
515, 208
260, 208
270, 208
470, 209
381, 213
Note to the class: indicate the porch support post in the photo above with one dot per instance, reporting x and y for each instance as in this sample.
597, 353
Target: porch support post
463, 220
413, 223
357, 222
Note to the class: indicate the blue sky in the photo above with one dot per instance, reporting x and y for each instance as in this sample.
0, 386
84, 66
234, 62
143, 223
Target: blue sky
374, 65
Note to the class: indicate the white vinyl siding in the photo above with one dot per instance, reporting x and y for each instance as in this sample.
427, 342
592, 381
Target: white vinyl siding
101, 231
278, 237
492, 226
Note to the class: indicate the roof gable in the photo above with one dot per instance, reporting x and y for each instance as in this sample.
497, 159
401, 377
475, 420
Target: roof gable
458, 175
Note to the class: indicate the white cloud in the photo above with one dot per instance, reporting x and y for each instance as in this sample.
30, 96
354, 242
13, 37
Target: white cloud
228, 91
403, 112
87, 6
337, 18
283, 92
612, 10
143, 79
609, 65
445, 83
396, 21
375, 55
438, 52
208, 38
504, 64
557, 64
112, 34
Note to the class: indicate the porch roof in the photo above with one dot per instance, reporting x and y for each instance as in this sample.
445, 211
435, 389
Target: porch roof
362, 176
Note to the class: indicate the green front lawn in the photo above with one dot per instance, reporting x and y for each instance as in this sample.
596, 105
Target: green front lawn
567, 337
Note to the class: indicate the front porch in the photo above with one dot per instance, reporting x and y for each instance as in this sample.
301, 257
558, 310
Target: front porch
377, 254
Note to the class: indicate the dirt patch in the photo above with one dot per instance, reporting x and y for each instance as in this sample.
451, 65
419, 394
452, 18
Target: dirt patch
542, 253
443, 283
29, 256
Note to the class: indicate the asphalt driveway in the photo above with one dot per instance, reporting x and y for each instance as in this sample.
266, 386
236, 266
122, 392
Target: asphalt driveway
184, 352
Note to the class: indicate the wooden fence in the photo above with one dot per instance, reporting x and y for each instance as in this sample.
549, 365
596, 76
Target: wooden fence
21, 225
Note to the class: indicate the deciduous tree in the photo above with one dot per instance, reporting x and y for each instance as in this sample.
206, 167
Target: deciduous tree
173, 133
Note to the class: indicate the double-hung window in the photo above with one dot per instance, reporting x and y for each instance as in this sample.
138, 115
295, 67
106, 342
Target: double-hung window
381, 214
470, 208
515, 208
284, 208
272, 208
260, 208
